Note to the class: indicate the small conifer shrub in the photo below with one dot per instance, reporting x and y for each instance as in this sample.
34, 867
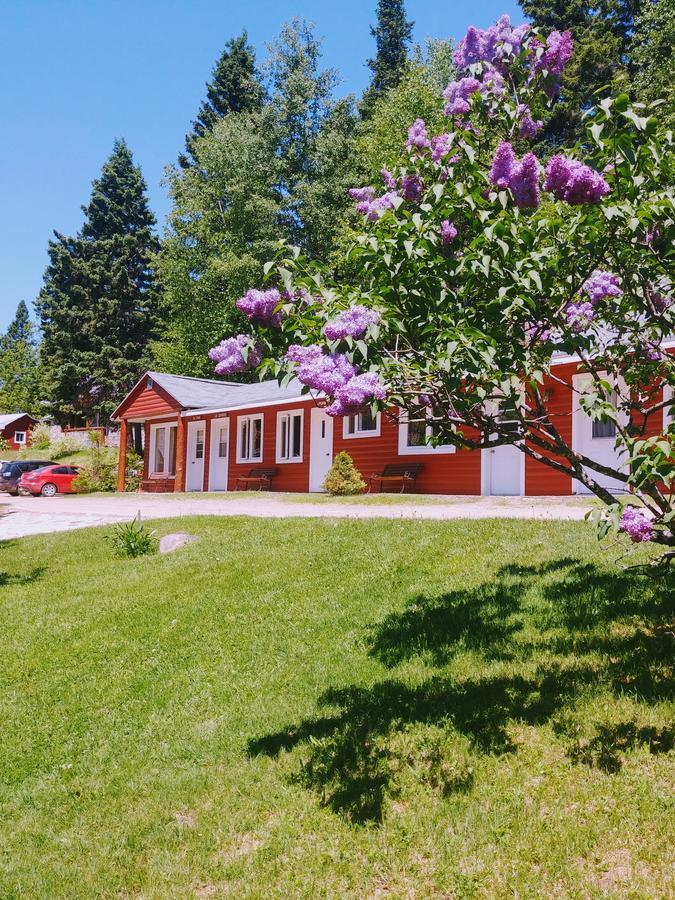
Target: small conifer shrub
344, 479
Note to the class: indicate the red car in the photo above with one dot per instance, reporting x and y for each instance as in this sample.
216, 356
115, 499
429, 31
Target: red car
49, 480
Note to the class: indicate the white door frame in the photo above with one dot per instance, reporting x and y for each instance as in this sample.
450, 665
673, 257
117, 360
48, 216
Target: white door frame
194, 468
487, 457
579, 419
317, 463
218, 463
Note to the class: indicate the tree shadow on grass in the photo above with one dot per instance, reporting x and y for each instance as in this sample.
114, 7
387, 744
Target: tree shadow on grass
592, 628
9, 578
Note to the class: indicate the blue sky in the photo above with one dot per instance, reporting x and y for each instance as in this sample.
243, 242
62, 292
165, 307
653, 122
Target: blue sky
76, 74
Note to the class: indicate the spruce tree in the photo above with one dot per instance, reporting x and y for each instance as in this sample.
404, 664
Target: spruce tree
19, 376
234, 87
652, 54
392, 34
602, 36
98, 305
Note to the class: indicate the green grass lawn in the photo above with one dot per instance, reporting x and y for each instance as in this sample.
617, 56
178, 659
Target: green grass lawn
335, 708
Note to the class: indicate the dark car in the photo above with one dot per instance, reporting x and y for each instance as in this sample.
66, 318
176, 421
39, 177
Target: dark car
11, 472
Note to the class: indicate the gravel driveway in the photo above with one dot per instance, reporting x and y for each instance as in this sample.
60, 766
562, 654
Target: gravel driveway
39, 515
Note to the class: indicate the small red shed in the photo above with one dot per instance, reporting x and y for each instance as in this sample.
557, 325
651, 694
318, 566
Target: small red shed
16, 428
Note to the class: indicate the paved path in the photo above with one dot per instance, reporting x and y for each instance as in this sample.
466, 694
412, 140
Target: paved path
40, 515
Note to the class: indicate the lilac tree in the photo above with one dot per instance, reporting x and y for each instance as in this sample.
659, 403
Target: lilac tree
479, 265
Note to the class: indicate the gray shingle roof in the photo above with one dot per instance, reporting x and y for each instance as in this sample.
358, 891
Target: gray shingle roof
205, 393
12, 417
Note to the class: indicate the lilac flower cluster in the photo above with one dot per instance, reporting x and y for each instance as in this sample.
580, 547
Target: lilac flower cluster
557, 54
418, 136
492, 45
259, 306
574, 182
529, 128
457, 95
411, 187
537, 331
369, 205
522, 178
388, 179
580, 315
229, 355
441, 145
636, 525
353, 322
333, 374
448, 232
602, 284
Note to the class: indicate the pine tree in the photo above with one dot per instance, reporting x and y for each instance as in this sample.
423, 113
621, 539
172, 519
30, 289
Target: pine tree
98, 305
234, 87
602, 36
652, 52
392, 34
19, 375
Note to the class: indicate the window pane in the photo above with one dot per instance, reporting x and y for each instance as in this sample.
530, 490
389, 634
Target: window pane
160, 436
256, 445
284, 437
351, 424
297, 436
604, 429
222, 443
417, 433
243, 438
199, 444
367, 421
171, 468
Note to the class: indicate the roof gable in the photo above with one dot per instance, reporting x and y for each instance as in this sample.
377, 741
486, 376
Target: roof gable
8, 418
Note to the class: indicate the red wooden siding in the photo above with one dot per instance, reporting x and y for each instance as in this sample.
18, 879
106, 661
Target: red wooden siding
25, 424
144, 402
443, 473
540, 479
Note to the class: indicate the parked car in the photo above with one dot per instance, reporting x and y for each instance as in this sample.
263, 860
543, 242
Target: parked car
49, 480
12, 471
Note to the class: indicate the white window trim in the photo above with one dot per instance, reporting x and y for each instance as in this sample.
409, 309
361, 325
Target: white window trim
153, 443
240, 424
16, 437
360, 434
290, 413
426, 449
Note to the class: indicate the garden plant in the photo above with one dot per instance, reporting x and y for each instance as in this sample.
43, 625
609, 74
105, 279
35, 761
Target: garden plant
479, 261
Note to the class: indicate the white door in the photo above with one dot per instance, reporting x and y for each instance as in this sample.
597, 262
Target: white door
320, 448
595, 440
504, 478
194, 474
219, 453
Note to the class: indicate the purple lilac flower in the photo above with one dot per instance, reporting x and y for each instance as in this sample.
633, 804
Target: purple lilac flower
411, 187
440, 146
457, 95
229, 355
524, 182
602, 284
418, 136
580, 315
470, 49
369, 205
503, 166
448, 232
362, 194
493, 82
491, 45
660, 301
528, 126
319, 371
259, 306
636, 525
537, 331
574, 182
558, 52
388, 179
352, 396
352, 322
425, 400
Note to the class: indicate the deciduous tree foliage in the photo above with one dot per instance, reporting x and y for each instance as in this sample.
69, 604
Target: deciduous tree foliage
98, 305
653, 57
475, 266
234, 88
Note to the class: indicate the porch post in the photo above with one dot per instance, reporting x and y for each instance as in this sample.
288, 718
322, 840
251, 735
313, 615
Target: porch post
122, 459
180, 455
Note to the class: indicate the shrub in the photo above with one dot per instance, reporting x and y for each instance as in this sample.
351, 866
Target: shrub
99, 472
64, 446
344, 479
134, 471
39, 437
4, 444
133, 539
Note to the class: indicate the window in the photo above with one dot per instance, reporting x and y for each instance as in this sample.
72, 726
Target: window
415, 434
361, 424
163, 450
222, 441
199, 444
250, 436
20, 437
289, 436
606, 428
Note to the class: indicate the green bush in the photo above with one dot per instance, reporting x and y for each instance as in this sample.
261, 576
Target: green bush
99, 472
40, 438
133, 539
64, 446
4, 444
134, 471
344, 479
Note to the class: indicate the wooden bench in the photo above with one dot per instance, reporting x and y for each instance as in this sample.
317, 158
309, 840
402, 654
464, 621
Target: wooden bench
404, 474
257, 479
